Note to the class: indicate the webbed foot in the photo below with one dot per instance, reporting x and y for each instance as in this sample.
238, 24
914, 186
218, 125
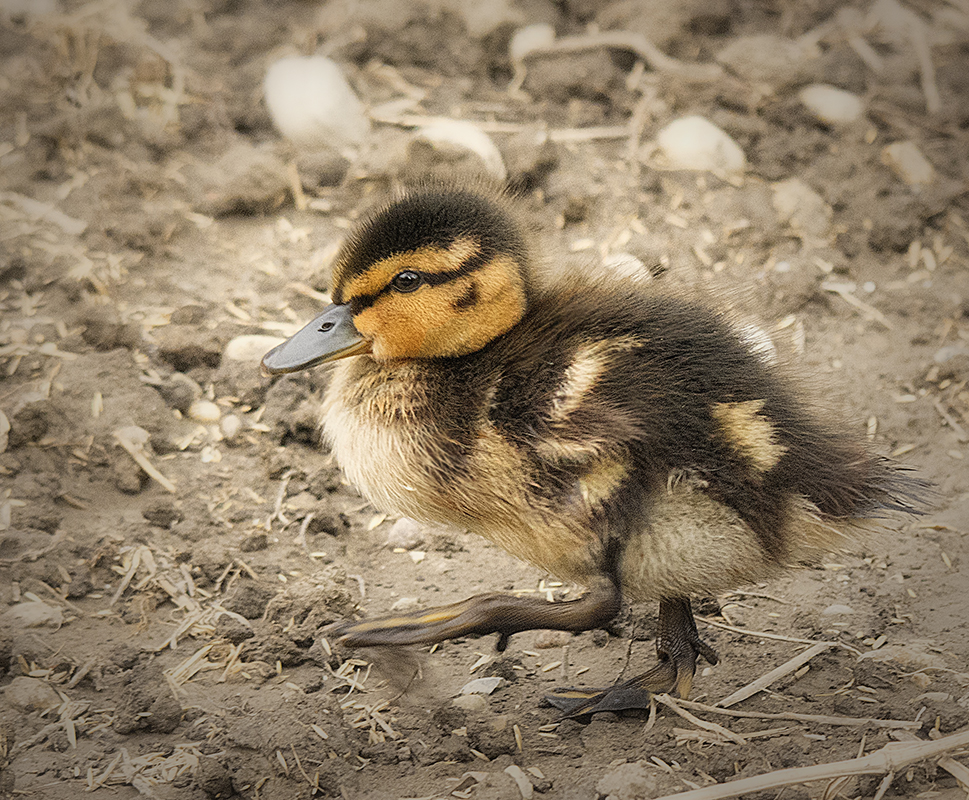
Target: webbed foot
678, 646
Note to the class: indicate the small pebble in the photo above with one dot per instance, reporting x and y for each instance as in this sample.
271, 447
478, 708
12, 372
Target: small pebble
949, 352
230, 425
832, 105
31, 614
180, 391
695, 143
406, 534
628, 782
405, 604
312, 104
908, 162
470, 702
162, 513
204, 411
548, 639
530, 38
837, 609
798, 205
934, 697
250, 347
31, 694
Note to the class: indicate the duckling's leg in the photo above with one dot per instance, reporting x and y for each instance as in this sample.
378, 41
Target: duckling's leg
678, 645
484, 613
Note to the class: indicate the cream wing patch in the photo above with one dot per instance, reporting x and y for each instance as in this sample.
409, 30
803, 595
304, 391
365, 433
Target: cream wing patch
749, 432
590, 363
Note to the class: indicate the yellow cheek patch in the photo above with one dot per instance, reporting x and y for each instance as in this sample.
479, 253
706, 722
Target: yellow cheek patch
431, 322
430, 260
749, 433
393, 327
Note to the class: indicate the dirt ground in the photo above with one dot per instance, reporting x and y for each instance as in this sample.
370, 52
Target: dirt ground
159, 634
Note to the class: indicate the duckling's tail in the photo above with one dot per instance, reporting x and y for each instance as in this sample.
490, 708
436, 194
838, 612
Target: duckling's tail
893, 488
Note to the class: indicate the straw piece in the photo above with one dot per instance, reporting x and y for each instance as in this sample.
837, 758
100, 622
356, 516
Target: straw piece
889, 759
776, 674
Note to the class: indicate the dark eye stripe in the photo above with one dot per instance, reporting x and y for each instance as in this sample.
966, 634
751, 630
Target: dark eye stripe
470, 264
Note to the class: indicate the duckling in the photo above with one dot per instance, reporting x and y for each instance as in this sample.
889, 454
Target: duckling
626, 438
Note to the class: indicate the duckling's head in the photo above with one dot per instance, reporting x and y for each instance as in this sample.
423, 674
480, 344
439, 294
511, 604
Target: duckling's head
438, 272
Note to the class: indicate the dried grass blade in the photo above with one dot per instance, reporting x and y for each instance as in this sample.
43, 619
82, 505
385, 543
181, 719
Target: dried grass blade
776, 674
889, 759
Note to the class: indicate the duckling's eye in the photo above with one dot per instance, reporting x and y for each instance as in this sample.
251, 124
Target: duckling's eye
407, 281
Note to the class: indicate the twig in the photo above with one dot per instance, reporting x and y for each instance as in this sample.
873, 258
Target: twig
136, 450
843, 291
44, 212
764, 681
296, 186
957, 770
793, 716
303, 527
589, 133
712, 727
280, 496
638, 44
923, 52
889, 759
950, 420
765, 635
763, 595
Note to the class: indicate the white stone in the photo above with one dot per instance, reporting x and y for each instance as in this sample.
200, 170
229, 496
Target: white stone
230, 425
798, 205
31, 693
908, 163
695, 143
466, 135
627, 782
312, 104
31, 614
832, 105
250, 347
406, 534
405, 604
204, 411
481, 19
837, 609
471, 702
530, 38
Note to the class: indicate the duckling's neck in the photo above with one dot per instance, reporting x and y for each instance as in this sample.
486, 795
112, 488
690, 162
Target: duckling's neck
386, 421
